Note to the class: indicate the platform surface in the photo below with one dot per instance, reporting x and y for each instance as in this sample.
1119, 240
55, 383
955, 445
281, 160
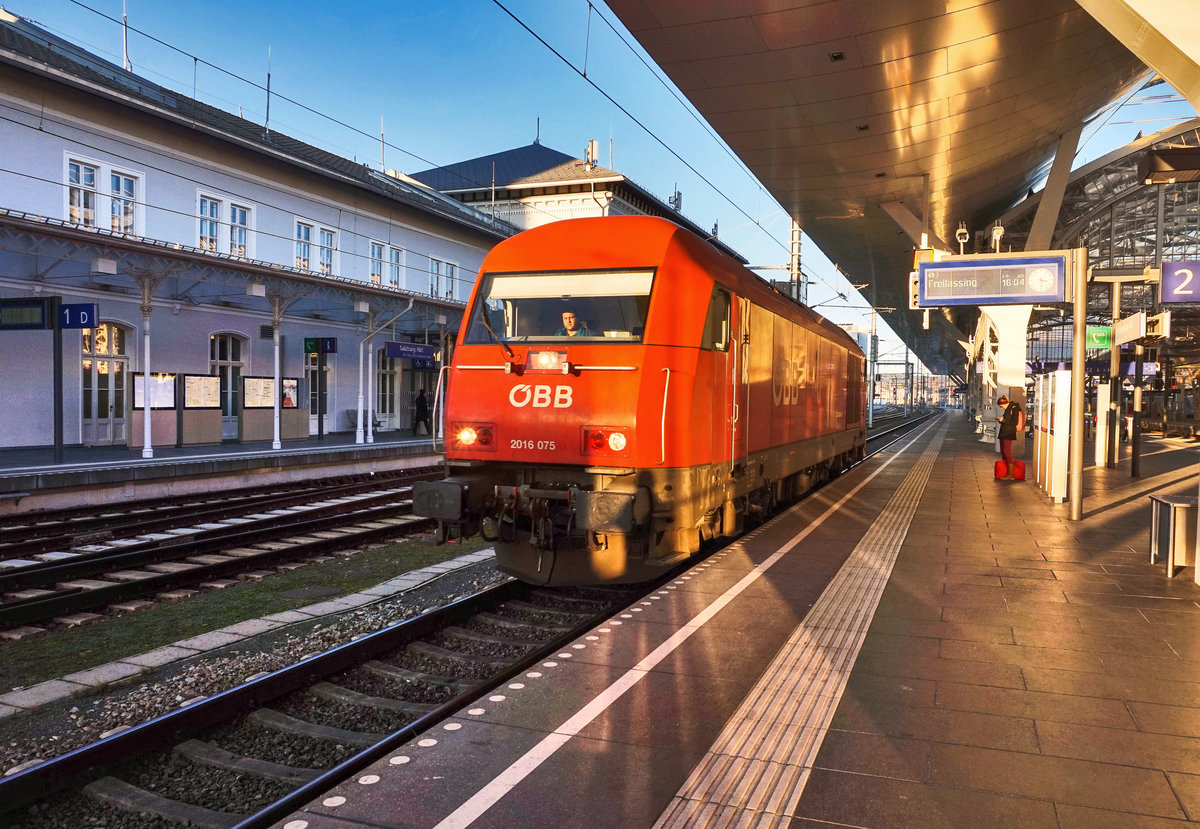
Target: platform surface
915, 645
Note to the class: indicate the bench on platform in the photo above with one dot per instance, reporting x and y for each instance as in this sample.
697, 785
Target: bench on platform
352, 419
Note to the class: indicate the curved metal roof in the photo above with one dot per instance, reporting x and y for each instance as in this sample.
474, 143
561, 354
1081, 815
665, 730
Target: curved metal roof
953, 109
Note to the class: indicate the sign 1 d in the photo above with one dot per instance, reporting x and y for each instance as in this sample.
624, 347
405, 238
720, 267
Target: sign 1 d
77, 315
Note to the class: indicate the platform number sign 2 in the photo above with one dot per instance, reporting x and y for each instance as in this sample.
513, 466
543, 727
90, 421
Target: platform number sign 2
1180, 282
77, 315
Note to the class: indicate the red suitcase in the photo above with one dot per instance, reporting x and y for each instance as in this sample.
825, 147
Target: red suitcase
1018, 470
1001, 469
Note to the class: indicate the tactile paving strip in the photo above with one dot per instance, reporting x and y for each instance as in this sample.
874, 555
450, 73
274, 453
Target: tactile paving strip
756, 771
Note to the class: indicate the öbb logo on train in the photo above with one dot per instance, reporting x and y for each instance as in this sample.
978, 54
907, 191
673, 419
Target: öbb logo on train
540, 397
788, 380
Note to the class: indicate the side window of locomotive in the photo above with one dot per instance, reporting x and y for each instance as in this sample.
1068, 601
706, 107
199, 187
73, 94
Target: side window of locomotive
716, 324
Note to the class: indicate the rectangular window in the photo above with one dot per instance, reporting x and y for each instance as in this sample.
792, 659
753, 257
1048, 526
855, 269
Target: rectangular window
394, 260
327, 247
716, 325
435, 276
122, 192
376, 263
450, 271
303, 243
96, 189
81, 193
210, 211
239, 230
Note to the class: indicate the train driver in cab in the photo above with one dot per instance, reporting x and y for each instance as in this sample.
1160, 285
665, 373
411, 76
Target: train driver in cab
572, 325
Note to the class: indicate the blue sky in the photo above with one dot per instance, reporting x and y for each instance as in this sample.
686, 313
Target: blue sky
456, 80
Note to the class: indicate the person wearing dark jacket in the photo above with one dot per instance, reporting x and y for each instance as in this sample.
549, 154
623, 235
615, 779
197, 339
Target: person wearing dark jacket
1011, 422
421, 413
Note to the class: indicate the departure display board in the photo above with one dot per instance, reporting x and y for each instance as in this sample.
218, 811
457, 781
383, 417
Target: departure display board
24, 315
1015, 281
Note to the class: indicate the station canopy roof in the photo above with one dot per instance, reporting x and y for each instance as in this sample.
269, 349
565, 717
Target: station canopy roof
951, 110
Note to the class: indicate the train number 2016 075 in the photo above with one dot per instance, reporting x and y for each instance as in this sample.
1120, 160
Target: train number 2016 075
518, 443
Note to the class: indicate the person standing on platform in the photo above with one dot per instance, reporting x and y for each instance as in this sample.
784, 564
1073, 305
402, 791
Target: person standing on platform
421, 413
1011, 422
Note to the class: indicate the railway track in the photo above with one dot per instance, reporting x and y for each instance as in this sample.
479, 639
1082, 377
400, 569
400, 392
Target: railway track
253, 754
259, 535
32, 534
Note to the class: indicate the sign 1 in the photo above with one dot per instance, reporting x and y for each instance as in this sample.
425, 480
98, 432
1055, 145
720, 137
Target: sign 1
329, 345
1180, 282
77, 315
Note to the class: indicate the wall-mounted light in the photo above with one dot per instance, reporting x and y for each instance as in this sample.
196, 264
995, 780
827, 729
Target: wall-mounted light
256, 289
102, 264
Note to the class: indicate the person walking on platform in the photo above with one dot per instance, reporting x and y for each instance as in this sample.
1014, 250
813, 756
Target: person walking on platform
1011, 422
421, 413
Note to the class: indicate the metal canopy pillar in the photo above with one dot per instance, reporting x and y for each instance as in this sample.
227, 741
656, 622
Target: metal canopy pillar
1160, 32
148, 281
367, 342
1005, 327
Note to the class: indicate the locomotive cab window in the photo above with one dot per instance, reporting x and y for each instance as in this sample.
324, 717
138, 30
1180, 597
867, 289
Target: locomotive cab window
556, 305
716, 324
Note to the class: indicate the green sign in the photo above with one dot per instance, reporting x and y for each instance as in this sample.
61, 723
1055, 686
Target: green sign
312, 345
1099, 336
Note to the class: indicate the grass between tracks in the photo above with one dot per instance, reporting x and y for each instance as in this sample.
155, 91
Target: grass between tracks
49, 656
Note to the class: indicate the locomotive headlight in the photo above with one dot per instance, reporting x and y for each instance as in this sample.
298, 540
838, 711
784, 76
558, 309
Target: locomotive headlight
602, 440
547, 361
474, 436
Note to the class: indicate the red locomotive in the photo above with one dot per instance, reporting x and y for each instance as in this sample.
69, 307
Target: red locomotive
621, 390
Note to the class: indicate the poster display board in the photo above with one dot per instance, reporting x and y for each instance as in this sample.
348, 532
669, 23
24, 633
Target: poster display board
259, 392
162, 391
201, 391
1052, 433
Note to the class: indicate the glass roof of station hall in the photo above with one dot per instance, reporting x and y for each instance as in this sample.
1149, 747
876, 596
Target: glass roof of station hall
1126, 225
1100, 186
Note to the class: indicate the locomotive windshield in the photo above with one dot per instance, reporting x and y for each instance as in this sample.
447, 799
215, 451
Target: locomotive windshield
552, 305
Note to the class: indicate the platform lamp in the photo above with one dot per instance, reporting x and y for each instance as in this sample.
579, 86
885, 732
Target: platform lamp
962, 235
